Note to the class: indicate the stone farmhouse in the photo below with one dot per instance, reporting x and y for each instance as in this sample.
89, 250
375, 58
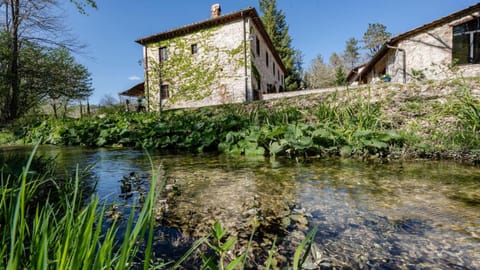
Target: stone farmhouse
225, 59
427, 51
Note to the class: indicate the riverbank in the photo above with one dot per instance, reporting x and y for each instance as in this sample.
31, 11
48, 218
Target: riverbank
432, 120
440, 118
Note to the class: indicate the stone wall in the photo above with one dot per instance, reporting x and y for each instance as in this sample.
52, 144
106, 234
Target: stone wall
214, 75
262, 74
217, 73
428, 52
306, 92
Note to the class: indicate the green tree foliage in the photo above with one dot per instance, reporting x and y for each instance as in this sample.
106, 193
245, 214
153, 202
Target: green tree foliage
4, 61
340, 76
277, 28
351, 55
28, 28
46, 74
374, 38
297, 75
67, 81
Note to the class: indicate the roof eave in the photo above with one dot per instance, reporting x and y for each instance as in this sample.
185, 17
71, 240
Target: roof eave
258, 21
368, 67
248, 12
196, 26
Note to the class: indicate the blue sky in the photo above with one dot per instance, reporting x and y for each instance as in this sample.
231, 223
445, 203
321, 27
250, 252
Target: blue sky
316, 27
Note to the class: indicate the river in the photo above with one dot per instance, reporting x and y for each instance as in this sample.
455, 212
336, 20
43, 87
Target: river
397, 215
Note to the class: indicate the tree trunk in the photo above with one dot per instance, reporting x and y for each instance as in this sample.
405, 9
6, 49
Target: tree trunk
65, 104
54, 107
81, 110
15, 79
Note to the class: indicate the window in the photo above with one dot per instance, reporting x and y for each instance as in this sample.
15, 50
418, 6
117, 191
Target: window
258, 45
194, 48
266, 58
163, 54
466, 42
278, 75
164, 93
273, 65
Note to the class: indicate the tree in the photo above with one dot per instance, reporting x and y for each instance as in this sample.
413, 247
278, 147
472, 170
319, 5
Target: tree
49, 74
27, 23
319, 75
108, 101
68, 79
277, 28
351, 55
295, 80
4, 60
335, 61
337, 64
340, 76
81, 5
374, 38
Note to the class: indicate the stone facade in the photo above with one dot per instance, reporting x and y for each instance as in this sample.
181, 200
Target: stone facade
423, 53
211, 63
428, 53
266, 74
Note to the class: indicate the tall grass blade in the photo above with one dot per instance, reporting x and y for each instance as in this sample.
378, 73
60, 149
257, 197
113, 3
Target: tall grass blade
271, 252
18, 222
304, 248
189, 252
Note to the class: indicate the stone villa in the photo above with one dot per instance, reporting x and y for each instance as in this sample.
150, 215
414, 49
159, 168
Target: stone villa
225, 59
427, 51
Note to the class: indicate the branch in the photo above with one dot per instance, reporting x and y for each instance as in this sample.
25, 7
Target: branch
81, 5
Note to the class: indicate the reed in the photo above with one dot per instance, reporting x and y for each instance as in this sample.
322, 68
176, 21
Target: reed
52, 237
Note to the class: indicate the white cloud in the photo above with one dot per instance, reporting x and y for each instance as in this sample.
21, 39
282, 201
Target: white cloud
134, 78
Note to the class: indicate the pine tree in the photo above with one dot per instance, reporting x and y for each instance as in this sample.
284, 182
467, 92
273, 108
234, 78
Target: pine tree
351, 55
375, 36
340, 76
276, 26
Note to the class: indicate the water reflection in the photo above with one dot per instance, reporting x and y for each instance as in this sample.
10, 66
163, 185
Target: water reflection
398, 215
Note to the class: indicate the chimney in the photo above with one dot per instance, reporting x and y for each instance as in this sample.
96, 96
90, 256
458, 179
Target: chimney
215, 10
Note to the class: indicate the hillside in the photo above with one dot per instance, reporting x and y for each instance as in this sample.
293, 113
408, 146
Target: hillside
444, 115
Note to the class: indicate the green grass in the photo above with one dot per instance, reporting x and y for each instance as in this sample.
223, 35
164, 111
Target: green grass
66, 234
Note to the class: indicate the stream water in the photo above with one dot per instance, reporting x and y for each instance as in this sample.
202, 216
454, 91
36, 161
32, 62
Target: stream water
400, 215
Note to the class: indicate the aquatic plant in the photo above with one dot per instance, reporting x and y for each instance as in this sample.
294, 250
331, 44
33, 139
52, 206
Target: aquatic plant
223, 256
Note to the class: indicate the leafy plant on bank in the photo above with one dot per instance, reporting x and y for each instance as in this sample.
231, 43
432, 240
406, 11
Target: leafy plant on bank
254, 130
310, 140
